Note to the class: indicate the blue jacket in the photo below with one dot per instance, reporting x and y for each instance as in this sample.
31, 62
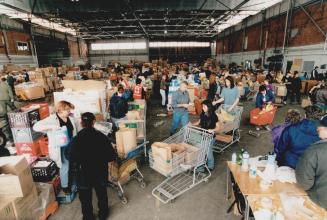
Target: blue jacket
294, 140
259, 100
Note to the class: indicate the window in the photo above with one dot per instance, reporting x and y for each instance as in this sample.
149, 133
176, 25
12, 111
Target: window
22, 46
119, 46
179, 44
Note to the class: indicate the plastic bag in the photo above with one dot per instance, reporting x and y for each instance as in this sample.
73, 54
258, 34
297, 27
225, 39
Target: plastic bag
58, 137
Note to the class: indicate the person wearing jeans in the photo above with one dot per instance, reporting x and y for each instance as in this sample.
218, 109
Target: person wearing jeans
208, 120
180, 104
59, 154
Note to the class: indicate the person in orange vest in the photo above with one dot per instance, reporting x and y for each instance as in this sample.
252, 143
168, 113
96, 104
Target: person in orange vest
138, 91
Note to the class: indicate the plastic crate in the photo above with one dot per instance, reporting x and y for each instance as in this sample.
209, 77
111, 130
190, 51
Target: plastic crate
44, 173
23, 119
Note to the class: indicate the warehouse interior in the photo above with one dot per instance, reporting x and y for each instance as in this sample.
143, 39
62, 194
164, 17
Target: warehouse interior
154, 110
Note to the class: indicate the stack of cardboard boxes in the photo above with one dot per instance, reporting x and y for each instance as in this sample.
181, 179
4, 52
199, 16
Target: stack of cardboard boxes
20, 197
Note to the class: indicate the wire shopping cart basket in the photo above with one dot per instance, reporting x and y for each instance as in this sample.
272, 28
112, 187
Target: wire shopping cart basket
229, 127
182, 171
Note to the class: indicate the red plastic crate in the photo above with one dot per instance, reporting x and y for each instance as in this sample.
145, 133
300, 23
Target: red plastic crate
44, 146
31, 148
43, 109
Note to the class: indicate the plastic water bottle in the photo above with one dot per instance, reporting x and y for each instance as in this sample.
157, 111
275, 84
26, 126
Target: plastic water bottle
245, 162
253, 169
234, 158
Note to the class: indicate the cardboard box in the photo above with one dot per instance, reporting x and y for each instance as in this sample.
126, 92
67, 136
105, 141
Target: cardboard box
224, 138
126, 141
192, 153
46, 192
43, 109
6, 210
22, 206
35, 92
15, 177
191, 92
281, 90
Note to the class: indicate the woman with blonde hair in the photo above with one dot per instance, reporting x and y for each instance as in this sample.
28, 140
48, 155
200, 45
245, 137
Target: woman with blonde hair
61, 118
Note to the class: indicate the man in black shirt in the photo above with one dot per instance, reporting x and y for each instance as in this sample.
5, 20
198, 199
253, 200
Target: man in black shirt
91, 151
296, 86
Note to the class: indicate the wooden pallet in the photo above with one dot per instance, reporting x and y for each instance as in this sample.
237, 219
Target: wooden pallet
50, 210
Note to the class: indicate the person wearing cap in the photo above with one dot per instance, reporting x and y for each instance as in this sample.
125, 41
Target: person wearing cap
180, 104
91, 151
311, 170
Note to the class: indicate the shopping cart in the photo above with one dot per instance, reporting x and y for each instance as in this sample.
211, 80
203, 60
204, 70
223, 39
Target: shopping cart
182, 171
230, 128
114, 180
261, 118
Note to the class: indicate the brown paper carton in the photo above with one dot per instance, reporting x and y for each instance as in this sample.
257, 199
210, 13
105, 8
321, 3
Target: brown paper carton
22, 205
126, 141
15, 177
6, 210
34, 92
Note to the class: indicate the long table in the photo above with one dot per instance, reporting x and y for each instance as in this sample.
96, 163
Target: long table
250, 187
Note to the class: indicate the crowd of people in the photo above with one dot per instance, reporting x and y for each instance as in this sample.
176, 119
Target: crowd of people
299, 143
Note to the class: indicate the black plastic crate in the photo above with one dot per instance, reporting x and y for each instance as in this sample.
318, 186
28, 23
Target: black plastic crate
44, 173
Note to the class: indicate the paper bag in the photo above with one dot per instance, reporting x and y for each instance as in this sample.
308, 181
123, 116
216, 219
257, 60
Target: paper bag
126, 141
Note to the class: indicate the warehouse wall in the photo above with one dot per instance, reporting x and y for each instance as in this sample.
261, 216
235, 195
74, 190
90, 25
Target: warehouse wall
103, 57
265, 38
13, 31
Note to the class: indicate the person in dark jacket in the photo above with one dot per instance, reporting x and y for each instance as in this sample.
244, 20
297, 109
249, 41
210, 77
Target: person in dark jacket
296, 138
264, 97
11, 82
287, 80
314, 73
296, 86
26, 76
311, 170
91, 151
212, 87
118, 105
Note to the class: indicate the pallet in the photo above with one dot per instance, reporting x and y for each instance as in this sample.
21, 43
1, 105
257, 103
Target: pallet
50, 210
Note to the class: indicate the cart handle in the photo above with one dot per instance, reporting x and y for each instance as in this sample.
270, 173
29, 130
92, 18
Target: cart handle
198, 129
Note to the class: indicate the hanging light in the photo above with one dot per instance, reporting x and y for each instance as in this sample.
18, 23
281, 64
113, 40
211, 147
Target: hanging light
122, 32
212, 19
165, 31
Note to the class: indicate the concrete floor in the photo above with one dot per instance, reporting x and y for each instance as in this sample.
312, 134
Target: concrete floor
205, 201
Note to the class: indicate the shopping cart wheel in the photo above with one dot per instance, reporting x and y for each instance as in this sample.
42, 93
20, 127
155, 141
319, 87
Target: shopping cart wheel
124, 200
253, 133
142, 184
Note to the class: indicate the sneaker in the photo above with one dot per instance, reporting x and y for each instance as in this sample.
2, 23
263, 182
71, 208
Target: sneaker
257, 128
284, 103
67, 190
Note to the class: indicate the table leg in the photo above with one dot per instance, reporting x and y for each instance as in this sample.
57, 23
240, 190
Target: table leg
247, 208
227, 184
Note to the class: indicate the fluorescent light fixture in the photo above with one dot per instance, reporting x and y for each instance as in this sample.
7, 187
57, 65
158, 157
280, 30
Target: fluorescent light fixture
165, 31
119, 46
14, 14
157, 44
252, 7
122, 32
212, 19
